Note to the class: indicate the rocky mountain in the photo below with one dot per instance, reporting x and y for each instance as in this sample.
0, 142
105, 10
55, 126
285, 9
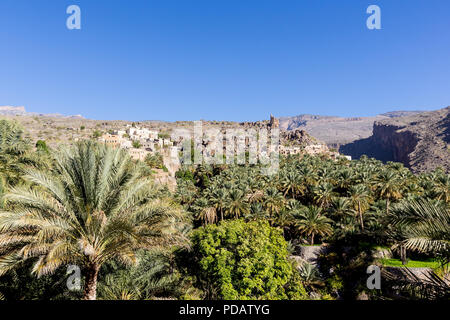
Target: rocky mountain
10, 110
20, 111
420, 141
336, 131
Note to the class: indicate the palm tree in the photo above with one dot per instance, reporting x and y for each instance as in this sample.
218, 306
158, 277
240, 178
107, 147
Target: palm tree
323, 194
427, 226
256, 212
310, 222
389, 187
290, 184
205, 212
307, 176
16, 153
360, 199
340, 207
218, 198
186, 191
273, 201
344, 179
255, 196
236, 204
118, 287
153, 276
442, 187
95, 207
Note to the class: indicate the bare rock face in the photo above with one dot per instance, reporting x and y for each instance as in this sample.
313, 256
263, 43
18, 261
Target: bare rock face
337, 131
298, 135
399, 141
164, 178
274, 122
310, 254
421, 141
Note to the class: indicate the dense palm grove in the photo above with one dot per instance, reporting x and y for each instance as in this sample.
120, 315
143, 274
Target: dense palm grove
312, 199
229, 231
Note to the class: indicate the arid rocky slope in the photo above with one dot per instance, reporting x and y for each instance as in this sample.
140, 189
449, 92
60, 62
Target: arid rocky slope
336, 131
421, 142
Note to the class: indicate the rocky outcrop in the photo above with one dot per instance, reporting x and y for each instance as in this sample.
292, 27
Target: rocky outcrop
298, 136
421, 142
162, 177
396, 140
336, 131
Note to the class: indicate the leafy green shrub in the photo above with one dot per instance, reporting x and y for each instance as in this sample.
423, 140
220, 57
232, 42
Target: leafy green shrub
41, 145
155, 161
185, 174
136, 144
97, 134
238, 260
163, 135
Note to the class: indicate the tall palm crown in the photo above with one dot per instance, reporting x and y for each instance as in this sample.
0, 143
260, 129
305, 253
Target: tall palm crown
360, 200
442, 187
95, 206
290, 183
389, 187
427, 226
323, 194
311, 222
218, 198
15, 152
273, 200
236, 204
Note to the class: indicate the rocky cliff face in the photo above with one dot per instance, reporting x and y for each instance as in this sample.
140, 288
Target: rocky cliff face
336, 131
400, 143
421, 142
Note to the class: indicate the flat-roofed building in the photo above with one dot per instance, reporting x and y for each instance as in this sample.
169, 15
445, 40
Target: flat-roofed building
126, 144
138, 154
148, 145
112, 140
142, 133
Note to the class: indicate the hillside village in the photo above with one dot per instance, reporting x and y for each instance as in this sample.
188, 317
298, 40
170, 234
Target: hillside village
147, 138
138, 141
141, 142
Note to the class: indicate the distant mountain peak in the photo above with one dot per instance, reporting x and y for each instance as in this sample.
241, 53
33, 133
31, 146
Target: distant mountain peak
20, 111
11, 110
401, 113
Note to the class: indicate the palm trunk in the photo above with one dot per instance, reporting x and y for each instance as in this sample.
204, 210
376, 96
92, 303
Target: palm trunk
221, 214
360, 215
387, 206
403, 255
90, 287
312, 239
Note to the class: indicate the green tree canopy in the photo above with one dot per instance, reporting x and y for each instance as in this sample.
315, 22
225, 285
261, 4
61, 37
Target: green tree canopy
239, 260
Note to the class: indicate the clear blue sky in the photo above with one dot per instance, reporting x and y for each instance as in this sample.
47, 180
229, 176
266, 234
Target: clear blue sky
224, 59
